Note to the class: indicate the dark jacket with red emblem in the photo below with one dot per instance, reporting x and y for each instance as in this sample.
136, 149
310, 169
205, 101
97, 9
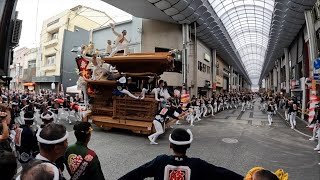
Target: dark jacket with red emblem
73, 158
173, 167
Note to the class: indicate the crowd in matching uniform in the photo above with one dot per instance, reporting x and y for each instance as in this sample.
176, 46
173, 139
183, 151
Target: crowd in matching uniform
42, 149
291, 107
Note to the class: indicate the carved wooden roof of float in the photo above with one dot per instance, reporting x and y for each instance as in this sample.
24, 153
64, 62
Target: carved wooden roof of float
102, 82
140, 62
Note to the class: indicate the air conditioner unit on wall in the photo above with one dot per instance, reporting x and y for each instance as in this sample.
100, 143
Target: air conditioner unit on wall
207, 84
16, 32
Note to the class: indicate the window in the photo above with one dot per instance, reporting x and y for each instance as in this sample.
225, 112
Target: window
20, 70
54, 35
52, 22
199, 66
32, 64
204, 68
159, 49
50, 60
293, 73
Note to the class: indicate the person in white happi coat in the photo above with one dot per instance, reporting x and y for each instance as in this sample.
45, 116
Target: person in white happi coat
243, 105
210, 106
82, 85
109, 47
197, 110
215, 106
190, 117
203, 107
270, 111
159, 121
121, 42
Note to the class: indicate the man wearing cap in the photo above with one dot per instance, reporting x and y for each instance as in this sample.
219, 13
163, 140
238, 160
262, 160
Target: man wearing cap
53, 142
179, 166
25, 141
82, 162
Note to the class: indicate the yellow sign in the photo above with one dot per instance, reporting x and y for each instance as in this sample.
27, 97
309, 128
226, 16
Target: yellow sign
219, 81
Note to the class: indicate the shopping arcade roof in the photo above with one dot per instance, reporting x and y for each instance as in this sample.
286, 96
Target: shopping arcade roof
249, 34
94, 15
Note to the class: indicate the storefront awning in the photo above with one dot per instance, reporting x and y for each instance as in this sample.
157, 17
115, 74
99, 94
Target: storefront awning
29, 84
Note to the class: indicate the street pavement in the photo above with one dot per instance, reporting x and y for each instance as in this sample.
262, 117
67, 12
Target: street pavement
231, 139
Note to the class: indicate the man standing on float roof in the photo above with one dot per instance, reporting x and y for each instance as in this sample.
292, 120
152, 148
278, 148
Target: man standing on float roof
121, 42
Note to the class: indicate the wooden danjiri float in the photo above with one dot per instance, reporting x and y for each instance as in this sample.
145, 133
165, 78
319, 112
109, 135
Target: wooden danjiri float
110, 111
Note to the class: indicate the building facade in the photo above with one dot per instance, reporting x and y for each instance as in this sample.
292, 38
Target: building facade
222, 76
290, 71
29, 68
55, 44
16, 69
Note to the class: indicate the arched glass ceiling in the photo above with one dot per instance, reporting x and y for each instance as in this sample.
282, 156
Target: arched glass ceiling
248, 24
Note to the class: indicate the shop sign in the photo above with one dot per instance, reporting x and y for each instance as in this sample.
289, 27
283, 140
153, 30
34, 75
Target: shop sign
316, 64
219, 81
214, 86
316, 76
207, 57
295, 84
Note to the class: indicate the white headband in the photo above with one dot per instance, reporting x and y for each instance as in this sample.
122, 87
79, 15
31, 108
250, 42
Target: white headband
182, 142
29, 119
47, 116
44, 141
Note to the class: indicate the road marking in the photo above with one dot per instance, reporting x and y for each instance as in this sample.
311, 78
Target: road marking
230, 140
294, 129
302, 133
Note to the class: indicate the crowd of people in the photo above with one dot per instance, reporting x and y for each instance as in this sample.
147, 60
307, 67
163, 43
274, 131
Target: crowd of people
291, 107
41, 147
